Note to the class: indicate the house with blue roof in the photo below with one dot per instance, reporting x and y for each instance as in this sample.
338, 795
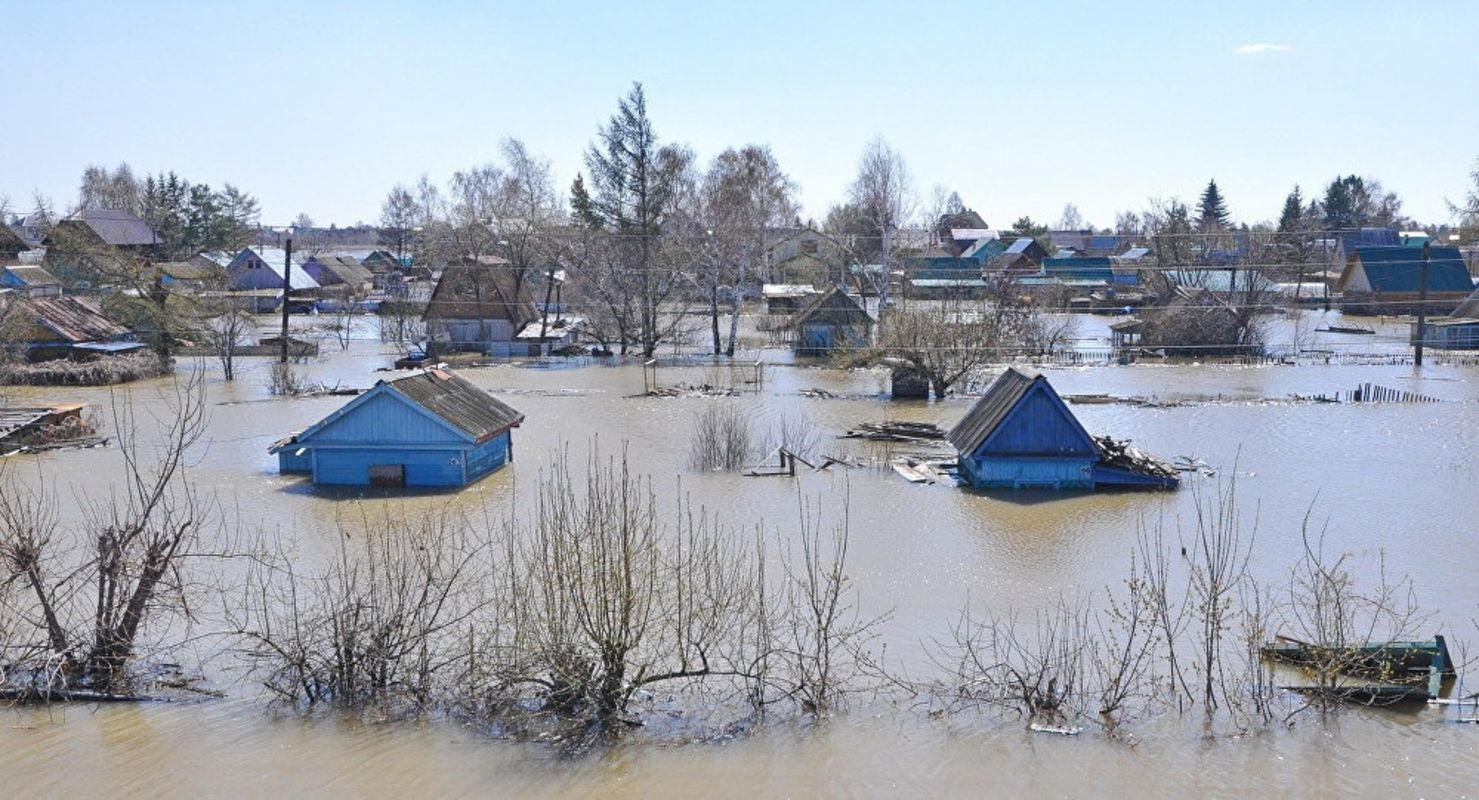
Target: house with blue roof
1080, 271
1388, 280
431, 429
1021, 435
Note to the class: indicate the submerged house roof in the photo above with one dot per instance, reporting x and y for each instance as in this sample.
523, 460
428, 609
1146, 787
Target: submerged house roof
987, 417
1398, 269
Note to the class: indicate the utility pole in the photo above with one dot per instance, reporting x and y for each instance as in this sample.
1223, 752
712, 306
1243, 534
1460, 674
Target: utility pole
1422, 308
287, 286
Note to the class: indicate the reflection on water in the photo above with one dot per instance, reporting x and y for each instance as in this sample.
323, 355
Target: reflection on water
1397, 478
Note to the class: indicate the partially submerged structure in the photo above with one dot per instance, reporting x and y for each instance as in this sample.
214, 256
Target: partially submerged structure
833, 321
59, 327
480, 306
1389, 280
1021, 435
29, 280
431, 429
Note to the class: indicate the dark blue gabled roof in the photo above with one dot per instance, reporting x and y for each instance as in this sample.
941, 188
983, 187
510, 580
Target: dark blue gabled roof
1399, 269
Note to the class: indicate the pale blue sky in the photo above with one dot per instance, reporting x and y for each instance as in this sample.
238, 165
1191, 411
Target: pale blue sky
1021, 106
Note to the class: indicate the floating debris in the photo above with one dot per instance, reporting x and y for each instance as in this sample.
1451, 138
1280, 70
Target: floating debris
896, 431
1120, 455
818, 394
686, 390
1061, 730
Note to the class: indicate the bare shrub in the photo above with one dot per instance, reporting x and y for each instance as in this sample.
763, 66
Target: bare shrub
86, 596
374, 629
793, 431
286, 381
722, 438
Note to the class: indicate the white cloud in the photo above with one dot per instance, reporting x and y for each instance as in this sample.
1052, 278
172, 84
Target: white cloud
1262, 47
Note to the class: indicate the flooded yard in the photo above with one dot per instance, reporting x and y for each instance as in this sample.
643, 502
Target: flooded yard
1392, 479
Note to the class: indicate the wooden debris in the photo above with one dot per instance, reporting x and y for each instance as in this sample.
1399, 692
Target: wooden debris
1120, 454
1069, 730
896, 431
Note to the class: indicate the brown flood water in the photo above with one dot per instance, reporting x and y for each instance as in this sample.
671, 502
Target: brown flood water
1398, 479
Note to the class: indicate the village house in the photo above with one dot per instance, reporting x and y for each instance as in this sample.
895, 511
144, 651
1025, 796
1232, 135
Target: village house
29, 281
431, 429
1388, 280
802, 255
45, 328
381, 261
87, 245
1021, 435
479, 305
832, 322
339, 273
257, 272
786, 298
1021, 255
1457, 331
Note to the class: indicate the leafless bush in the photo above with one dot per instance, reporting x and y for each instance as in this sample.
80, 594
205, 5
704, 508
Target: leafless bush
722, 438
86, 596
377, 628
794, 431
285, 381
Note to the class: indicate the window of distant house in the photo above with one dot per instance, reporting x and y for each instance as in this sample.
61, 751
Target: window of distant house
809, 246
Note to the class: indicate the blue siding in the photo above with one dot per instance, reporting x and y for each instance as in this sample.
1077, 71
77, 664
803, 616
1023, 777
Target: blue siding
985, 472
488, 456
288, 463
350, 466
385, 418
1039, 425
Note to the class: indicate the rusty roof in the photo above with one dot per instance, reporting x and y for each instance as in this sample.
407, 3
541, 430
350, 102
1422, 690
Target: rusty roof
72, 319
464, 406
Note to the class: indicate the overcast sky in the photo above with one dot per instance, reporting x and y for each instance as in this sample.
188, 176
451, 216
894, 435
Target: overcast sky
1021, 107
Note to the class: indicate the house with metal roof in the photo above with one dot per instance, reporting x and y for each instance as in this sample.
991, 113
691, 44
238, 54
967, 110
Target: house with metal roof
343, 272
1021, 435
29, 280
1389, 280
262, 268
1022, 254
1080, 271
479, 305
430, 429
833, 321
61, 326
95, 243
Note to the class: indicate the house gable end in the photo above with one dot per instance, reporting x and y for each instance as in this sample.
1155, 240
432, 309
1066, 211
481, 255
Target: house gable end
383, 416
1039, 424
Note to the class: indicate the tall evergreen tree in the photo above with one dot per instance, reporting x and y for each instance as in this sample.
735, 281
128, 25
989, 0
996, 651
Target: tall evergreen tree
1292, 217
1341, 202
1212, 208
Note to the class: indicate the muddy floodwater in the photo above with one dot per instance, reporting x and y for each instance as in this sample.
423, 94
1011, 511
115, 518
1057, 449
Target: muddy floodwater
1392, 479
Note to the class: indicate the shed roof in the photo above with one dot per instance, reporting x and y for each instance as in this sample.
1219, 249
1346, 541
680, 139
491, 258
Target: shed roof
71, 318
31, 275
346, 268
114, 227
835, 305
1399, 269
992, 409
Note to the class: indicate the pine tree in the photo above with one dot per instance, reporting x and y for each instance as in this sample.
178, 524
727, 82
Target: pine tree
1212, 208
1341, 202
1292, 217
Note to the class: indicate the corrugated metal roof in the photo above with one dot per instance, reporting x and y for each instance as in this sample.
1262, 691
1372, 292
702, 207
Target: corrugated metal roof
346, 268
72, 319
1399, 269
114, 227
464, 406
982, 420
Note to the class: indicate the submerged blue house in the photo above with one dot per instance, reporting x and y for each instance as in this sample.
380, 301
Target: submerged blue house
1021, 435
429, 429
